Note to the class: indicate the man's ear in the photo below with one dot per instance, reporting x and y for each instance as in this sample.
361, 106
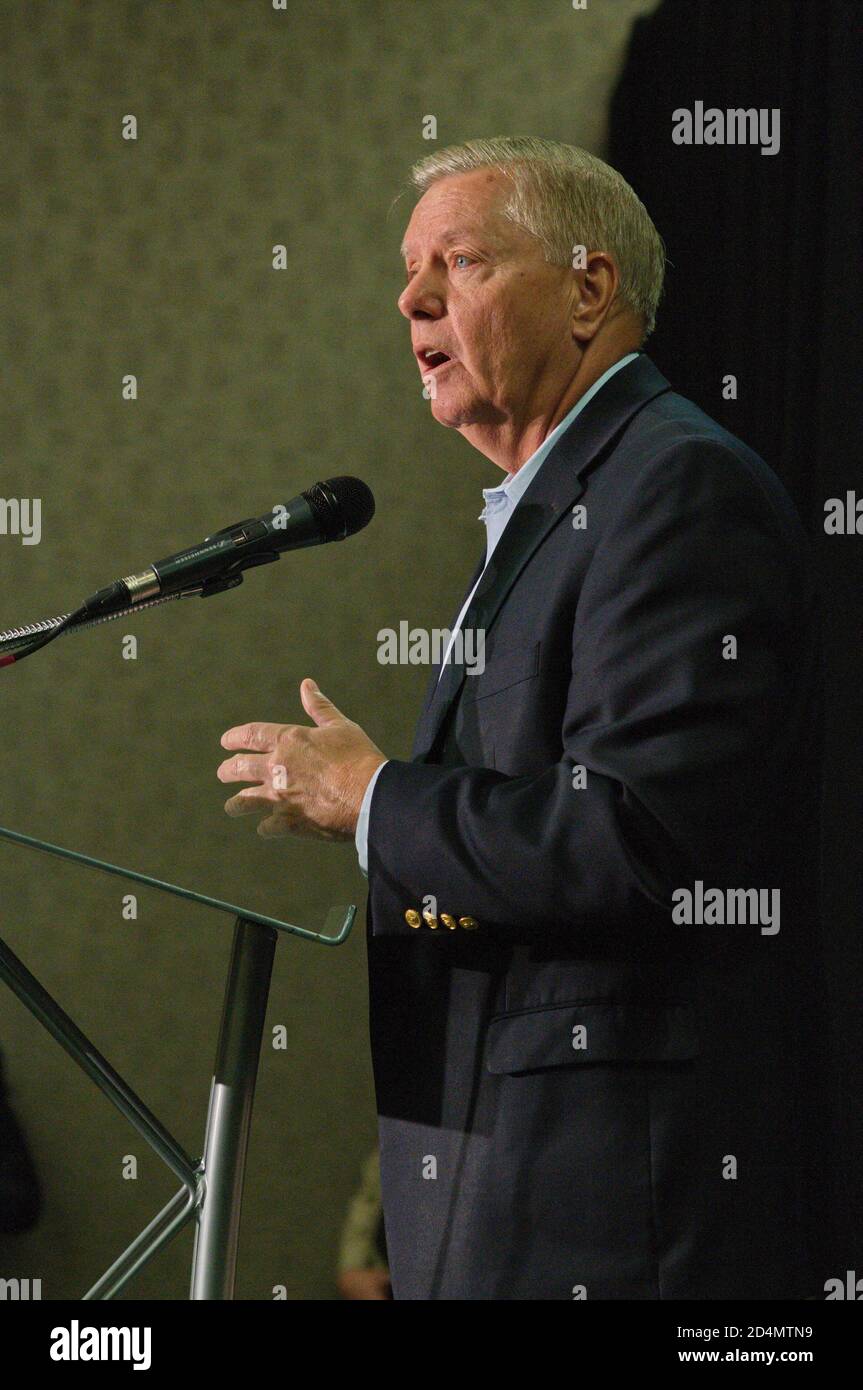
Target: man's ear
597, 284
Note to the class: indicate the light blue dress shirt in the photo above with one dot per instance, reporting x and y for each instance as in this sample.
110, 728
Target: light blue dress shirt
500, 503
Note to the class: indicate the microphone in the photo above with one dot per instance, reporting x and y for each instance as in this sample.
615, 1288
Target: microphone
329, 511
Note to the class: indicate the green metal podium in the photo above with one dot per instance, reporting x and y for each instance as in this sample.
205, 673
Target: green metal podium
212, 1188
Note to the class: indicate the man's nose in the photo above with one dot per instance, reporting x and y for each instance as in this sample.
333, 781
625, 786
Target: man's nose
421, 298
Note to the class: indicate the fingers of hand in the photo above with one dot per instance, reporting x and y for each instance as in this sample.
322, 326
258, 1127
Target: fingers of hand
275, 825
247, 803
258, 738
249, 767
273, 781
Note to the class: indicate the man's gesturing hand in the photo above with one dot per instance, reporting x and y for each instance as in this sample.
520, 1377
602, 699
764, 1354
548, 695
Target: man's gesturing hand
309, 782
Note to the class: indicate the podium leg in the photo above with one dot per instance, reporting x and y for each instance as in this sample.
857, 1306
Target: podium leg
230, 1110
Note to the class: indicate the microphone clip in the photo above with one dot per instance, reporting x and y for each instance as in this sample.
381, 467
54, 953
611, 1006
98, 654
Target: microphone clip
229, 580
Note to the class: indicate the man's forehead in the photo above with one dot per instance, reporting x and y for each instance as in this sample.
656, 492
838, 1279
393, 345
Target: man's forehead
459, 206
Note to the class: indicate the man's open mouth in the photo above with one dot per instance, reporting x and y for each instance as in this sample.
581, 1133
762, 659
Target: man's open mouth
429, 359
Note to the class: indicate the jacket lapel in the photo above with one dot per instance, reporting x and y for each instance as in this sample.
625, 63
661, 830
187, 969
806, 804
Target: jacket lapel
553, 492
433, 678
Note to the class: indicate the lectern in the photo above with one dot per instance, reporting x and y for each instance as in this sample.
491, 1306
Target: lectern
212, 1188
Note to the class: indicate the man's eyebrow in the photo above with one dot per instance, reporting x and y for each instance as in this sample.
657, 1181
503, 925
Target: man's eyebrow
447, 238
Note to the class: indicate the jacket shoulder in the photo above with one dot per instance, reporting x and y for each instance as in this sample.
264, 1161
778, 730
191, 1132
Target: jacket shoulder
674, 435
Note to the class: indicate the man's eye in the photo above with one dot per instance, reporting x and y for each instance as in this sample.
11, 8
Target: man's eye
461, 257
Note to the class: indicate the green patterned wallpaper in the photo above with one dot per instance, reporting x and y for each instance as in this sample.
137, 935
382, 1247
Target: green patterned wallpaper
256, 126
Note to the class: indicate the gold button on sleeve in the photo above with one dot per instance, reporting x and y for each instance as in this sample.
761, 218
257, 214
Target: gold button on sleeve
412, 917
430, 919
449, 921
469, 923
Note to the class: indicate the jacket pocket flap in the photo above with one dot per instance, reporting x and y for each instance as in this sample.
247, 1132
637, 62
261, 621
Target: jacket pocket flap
578, 1034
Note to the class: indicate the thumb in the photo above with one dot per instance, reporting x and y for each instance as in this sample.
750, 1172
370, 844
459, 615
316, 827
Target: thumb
317, 706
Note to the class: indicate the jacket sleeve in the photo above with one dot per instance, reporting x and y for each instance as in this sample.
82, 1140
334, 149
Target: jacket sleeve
679, 706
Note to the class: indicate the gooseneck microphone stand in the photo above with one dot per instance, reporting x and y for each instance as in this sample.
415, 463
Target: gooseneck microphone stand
212, 1188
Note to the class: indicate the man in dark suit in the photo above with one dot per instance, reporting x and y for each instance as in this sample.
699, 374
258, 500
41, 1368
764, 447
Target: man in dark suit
593, 888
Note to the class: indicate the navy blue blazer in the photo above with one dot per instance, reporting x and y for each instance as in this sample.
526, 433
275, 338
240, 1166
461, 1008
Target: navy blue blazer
581, 1095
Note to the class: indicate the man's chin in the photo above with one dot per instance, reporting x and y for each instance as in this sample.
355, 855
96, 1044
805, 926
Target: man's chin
445, 417
452, 412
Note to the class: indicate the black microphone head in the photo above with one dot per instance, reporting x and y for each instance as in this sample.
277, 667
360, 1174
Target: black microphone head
341, 506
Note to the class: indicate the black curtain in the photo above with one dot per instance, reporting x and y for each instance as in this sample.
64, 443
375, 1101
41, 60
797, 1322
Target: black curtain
764, 283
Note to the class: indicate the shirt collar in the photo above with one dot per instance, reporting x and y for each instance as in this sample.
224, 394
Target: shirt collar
514, 487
